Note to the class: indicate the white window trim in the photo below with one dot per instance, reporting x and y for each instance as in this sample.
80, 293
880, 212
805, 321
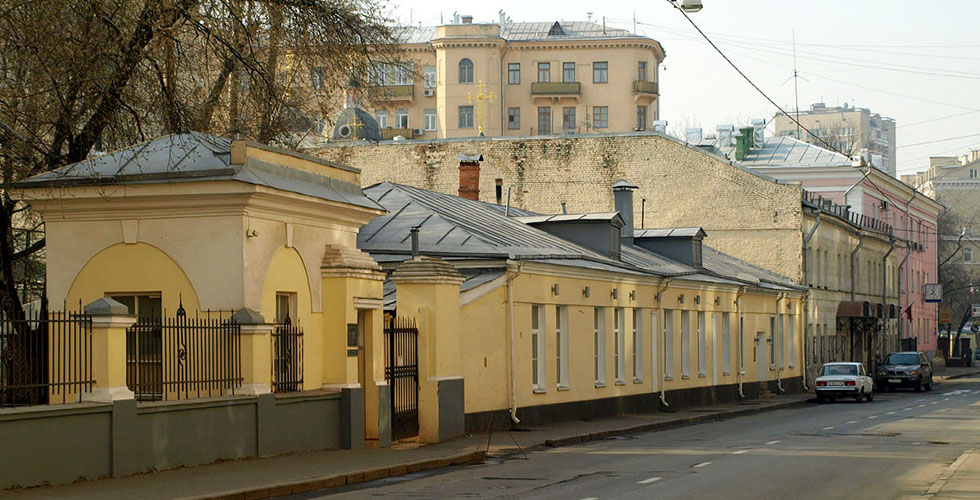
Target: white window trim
538, 337
425, 118
781, 345
685, 344
561, 346
668, 344
599, 332
791, 340
637, 346
654, 346
726, 342
619, 332
702, 347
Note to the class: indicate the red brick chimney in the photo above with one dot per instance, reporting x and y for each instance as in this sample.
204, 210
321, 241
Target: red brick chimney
469, 175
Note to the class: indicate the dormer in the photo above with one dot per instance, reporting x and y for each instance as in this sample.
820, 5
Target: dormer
599, 232
682, 244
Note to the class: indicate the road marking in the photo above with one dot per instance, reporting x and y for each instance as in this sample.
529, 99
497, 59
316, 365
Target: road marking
873, 416
850, 422
828, 427
590, 498
775, 441
935, 402
920, 406
648, 481
739, 452
702, 464
945, 399
907, 409
917, 400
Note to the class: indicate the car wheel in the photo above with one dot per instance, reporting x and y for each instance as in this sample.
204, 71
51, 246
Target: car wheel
821, 399
891, 388
833, 399
929, 385
918, 385
860, 397
871, 396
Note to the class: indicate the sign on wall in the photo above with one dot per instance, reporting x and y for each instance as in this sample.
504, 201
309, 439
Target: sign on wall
933, 292
976, 310
945, 314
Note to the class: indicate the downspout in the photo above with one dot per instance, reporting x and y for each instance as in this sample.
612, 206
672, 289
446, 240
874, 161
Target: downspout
503, 87
901, 318
741, 352
663, 344
908, 231
510, 333
806, 295
853, 284
884, 291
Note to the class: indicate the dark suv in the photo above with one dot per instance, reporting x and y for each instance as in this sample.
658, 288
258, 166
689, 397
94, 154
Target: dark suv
905, 369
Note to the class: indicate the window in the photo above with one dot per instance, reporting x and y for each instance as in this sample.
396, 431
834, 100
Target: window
429, 77
514, 74
568, 72
401, 118
726, 344
668, 344
781, 344
772, 342
600, 116
641, 71
641, 118
702, 349
600, 72
544, 72
382, 118
513, 118
404, 74
791, 340
466, 71
561, 346
685, 344
466, 117
537, 347
967, 255
144, 305
973, 173
316, 78
741, 345
430, 119
599, 344
568, 119
618, 334
544, 119
285, 307
637, 345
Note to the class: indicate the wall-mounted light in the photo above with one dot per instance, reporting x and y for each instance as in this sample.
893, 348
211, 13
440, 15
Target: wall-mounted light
789, 306
554, 289
717, 301
615, 293
586, 291
680, 299
697, 299
632, 294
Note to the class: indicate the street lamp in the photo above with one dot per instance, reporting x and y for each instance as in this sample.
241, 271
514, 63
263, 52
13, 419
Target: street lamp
689, 5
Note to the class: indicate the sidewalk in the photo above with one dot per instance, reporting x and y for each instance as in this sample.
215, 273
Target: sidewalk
290, 474
961, 479
956, 372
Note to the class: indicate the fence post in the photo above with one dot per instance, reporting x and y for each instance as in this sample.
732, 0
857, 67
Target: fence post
256, 352
110, 319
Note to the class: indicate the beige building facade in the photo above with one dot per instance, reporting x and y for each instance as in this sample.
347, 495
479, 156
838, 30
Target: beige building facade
855, 131
516, 79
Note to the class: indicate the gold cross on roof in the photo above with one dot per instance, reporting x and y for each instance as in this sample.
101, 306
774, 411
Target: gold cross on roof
356, 124
480, 98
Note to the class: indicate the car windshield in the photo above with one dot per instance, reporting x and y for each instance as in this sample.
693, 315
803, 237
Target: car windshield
903, 359
840, 370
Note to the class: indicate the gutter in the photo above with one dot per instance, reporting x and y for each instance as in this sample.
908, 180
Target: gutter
510, 333
738, 315
806, 296
884, 287
853, 254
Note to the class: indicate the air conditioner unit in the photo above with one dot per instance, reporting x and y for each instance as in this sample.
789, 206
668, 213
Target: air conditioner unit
416, 131
429, 92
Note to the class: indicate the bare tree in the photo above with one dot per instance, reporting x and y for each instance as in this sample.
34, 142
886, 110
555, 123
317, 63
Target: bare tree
84, 75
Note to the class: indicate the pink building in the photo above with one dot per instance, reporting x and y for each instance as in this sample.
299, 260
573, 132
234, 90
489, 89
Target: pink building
873, 193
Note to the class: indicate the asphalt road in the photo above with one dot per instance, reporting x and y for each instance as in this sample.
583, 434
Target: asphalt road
895, 447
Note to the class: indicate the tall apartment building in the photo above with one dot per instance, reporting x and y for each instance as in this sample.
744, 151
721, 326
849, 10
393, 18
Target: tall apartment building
856, 131
515, 79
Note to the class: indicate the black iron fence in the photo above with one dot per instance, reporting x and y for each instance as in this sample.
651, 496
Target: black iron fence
287, 357
183, 357
45, 357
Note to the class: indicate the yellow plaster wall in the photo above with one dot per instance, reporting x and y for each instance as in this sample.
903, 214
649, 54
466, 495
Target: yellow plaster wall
287, 273
339, 310
124, 268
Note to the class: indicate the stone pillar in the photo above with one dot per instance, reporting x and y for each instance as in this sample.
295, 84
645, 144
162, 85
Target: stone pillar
428, 290
110, 319
256, 342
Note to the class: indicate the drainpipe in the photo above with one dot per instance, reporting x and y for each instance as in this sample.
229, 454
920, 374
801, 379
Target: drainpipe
884, 288
741, 348
510, 333
901, 319
908, 232
663, 344
853, 255
806, 296
503, 87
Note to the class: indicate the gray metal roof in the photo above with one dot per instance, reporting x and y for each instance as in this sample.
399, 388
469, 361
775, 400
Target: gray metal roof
598, 216
194, 156
782, 152
670, 232
574, 30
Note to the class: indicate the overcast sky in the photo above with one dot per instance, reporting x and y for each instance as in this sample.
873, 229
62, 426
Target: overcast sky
915, 61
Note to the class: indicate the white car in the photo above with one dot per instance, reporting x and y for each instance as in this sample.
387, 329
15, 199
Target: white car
845, 379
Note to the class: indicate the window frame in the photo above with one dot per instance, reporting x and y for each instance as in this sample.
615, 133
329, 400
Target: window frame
538, 349
465, 111
641, 71
512, 70
565, 68
685, 344
382, 118
429, 77
619, 351
702, 345
428, 114
561, 347
726, 343
637, 345
514, 118
597, 112
641, 122
544, 70
668, 344
541, 115
402, 118
466, 70
599, 345
565, 118
600, 72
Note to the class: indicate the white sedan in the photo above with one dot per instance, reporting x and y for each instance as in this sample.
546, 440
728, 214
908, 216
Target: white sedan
846, 379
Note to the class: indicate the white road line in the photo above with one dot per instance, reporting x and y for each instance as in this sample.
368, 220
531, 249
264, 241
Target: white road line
590, 498
648, 481
775, 441
828, 428
852, 421
739, 452
891, 413
920, 406
945, 399
918, 400
935, 402
873, 416
702, 464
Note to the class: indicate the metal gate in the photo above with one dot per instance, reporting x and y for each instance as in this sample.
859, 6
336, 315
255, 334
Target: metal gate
402, 374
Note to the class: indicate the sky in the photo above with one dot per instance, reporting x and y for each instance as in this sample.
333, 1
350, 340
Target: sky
913, 61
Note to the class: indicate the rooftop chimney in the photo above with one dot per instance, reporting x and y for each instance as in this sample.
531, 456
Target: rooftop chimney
466, 19
758, 132
682, 244
725, 135
693, 135
623, 194
660, 126
469, 175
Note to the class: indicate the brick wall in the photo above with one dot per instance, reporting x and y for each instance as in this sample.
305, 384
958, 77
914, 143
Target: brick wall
744, 214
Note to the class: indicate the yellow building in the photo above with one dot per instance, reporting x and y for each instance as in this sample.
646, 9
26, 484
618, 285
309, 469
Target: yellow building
516, 79
575, 315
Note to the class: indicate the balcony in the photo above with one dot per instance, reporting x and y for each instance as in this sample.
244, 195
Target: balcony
392, 92
389, 133
556, 90
645, 87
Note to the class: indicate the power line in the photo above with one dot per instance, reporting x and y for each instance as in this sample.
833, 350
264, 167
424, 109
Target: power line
938, 140
747, 79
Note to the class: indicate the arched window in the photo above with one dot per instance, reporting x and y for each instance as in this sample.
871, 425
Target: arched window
466, 71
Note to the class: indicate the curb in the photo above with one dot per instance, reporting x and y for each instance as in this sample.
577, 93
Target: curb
335, 480
668, 424
958, 375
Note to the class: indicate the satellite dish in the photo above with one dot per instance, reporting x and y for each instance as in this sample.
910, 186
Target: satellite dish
344, 131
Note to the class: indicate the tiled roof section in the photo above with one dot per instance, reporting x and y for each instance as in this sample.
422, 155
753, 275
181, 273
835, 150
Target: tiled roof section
782, 152
189, 157
573, 30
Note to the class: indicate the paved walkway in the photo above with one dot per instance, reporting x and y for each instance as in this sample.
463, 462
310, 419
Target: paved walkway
956, 372
960, 480
269, 477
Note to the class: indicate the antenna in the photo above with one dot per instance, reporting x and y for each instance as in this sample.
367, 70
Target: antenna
796, 88
589, 14
634, 22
